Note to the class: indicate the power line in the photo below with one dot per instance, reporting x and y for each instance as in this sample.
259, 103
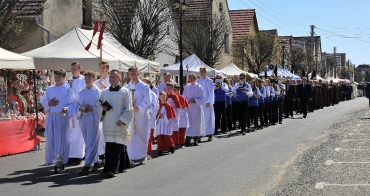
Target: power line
268, 19
286, 19
343, 36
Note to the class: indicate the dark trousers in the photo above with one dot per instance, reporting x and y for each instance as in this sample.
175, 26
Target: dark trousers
281, 101
275, 110
252, 115
288, 108
220, 115
261, 110
242, 113
116, 158
304, 103
270, 112
266, 113
234, 112
229, 122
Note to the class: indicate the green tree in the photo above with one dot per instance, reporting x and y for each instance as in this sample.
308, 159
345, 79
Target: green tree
358, 76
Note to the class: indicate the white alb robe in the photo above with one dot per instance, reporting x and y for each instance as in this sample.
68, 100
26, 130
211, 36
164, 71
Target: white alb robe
183, 122
122, 110
164, 125
101, 149
90, 121
153, 109
138, 146
57, 125
77, 141
195, 111
209, 97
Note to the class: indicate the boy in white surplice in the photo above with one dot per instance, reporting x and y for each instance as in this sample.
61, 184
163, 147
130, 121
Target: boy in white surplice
89, 112
60, 105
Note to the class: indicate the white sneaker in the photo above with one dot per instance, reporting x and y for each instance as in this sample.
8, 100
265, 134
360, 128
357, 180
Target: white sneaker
148, 157
132, 164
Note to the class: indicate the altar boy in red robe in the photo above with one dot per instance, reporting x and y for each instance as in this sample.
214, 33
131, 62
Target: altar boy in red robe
164, 117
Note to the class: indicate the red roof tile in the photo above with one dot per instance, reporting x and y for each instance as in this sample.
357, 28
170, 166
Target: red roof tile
242, 21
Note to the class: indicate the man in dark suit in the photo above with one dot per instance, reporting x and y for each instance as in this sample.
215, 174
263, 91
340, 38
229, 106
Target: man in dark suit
289, 97
304, 95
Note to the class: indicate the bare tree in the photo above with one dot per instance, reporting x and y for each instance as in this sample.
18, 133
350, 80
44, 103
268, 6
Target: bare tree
205, 36
255, 50
140, 26
12, 32
298, 59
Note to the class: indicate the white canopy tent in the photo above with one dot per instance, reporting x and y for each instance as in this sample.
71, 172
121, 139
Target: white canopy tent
231, 69
71, 47
10, 60
191, 65
281, 72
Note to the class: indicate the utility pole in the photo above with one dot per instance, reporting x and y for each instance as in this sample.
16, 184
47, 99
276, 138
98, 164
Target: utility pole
335, 62
313, 48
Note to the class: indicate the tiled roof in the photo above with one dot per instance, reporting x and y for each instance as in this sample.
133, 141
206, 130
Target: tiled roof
272, 31
200, 8
32, 7
242, 21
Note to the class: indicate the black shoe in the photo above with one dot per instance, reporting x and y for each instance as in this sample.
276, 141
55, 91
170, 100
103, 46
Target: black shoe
160, 153
243, 132
280, 123
109, 175
172, 150
71, 161
77, 162
304, 116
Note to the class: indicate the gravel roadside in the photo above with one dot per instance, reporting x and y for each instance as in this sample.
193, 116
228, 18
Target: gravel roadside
337, 166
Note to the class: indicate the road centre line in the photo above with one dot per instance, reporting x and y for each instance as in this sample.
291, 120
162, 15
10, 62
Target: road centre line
322, 185
348, 149
331, 162
355, 140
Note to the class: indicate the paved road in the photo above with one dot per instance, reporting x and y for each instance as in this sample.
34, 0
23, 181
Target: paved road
258, 163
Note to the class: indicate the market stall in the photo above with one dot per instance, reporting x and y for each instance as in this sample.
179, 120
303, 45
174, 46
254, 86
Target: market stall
17, 122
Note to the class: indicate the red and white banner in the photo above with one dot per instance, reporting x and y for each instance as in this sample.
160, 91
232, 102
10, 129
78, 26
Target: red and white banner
99, 26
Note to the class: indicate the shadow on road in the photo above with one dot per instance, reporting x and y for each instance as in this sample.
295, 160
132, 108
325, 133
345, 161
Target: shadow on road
46, 174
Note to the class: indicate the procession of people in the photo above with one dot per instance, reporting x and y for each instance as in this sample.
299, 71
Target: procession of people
113, 126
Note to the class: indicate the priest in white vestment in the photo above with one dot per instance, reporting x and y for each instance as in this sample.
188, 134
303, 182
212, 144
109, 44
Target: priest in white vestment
140, 124
59, 103
209, 100
193, 93
116, 122
76, 152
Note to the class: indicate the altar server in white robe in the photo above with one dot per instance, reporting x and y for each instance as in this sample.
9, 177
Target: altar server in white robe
153, 110
89, 111
116, 122
193, 93
59, 103
167, 78
76, 152
102, 83
140, 124
209, 99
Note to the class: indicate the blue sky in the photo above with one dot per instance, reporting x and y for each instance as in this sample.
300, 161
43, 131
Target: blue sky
340, 17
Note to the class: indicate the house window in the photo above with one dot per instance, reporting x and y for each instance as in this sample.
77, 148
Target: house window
227, 43
86, 14
220, 7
